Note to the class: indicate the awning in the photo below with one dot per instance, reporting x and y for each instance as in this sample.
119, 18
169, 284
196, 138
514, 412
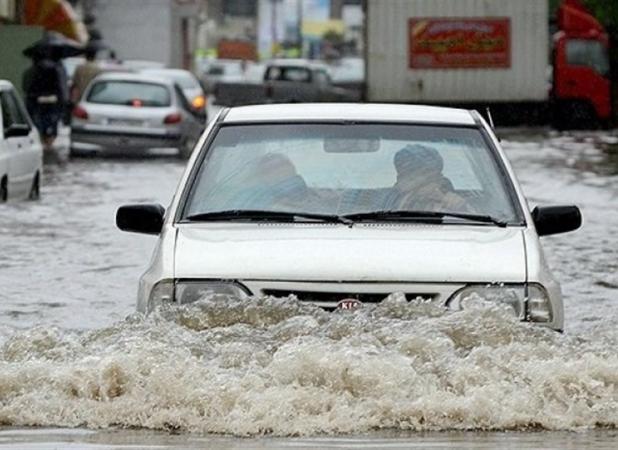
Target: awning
55, 15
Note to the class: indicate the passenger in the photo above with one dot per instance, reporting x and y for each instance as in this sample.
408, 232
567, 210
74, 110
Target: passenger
274, 184
420, 184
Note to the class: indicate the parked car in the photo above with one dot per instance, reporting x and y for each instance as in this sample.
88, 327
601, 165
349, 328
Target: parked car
222, 70
285, 81
21, 152
130, 113
365, 199
189, 85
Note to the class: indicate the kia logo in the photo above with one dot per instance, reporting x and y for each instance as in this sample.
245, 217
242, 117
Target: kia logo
349, 303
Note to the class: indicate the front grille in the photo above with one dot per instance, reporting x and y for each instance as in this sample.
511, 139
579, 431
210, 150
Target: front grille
329, 300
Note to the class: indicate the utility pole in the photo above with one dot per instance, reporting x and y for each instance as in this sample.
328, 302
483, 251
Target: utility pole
273, 25
299, 13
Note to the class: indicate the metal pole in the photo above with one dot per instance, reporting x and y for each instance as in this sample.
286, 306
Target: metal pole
299, 13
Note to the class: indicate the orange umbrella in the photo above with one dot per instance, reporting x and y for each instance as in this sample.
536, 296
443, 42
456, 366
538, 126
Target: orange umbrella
55, 15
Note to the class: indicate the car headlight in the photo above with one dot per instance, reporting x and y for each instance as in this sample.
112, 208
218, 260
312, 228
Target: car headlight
192, 291
183, 292
162, 293
527, 301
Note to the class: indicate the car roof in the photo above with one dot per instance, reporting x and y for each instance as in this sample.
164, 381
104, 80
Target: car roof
365, 112
133, 76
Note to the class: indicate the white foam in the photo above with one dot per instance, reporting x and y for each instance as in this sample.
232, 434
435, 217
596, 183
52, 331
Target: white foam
274, 366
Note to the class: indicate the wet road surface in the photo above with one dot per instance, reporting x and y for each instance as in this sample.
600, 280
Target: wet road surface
70, 357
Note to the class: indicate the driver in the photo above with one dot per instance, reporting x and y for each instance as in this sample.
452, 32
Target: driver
420, 184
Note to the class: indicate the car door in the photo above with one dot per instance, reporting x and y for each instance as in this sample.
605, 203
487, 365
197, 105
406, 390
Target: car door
21, 164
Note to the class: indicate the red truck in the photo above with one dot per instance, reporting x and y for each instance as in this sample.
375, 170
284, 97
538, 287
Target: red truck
494, 53
581, 87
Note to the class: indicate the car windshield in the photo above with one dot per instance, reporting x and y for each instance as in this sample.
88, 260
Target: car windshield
129, 93
351, 169
588, 53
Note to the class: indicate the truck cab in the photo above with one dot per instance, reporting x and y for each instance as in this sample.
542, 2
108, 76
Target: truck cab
582, 88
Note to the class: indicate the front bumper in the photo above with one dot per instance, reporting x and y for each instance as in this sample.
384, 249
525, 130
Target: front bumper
328, 295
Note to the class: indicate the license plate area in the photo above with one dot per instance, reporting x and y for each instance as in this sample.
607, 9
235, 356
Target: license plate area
132, 123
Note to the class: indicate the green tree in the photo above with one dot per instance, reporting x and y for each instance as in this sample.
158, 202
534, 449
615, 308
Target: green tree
606, 11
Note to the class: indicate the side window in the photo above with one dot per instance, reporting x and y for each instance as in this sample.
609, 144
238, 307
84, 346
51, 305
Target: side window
19, 110
182, 98
7, 120
298, 74
273, 73
12, 112
588, 53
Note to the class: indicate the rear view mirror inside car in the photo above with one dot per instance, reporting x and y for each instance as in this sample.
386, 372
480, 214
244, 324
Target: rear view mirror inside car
348, 145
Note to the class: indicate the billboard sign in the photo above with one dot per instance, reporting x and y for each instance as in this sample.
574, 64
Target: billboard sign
459, 43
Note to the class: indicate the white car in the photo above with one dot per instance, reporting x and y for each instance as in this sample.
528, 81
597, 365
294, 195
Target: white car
223, 70
21, 152
343, 204
131, 113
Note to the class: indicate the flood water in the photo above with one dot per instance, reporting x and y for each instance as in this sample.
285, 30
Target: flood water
79, 370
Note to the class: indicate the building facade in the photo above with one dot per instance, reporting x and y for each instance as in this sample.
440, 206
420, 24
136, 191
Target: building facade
153, 30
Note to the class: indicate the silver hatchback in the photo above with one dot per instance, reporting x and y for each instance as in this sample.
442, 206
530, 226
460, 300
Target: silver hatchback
125, 113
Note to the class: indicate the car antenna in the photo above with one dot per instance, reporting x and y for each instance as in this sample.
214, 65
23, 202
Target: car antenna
491, 119
491, 122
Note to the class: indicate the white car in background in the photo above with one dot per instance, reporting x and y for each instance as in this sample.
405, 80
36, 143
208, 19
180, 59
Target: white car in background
132, 113
224, 70
21, 152
343, 204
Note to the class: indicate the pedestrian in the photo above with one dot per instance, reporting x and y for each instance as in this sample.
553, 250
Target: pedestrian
46, 95
84, 74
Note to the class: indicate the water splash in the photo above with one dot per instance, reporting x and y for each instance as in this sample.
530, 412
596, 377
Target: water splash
276, 366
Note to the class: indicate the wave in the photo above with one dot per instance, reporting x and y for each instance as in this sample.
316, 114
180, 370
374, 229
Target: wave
279, 367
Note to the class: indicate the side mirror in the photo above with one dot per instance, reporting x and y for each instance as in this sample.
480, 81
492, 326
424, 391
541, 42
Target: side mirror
556, 219
17, 130
145, 218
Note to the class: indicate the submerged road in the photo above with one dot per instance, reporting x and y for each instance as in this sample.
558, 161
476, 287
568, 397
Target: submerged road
70, 358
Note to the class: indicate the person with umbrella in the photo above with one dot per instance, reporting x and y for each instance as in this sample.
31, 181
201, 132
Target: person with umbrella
45, 84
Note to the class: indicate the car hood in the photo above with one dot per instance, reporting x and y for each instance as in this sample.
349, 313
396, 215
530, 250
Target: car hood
377, 252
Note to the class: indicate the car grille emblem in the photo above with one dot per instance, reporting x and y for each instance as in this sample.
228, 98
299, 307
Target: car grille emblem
349, 303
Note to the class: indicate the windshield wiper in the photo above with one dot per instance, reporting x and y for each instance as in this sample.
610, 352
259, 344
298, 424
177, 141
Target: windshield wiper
431, 216
267, 216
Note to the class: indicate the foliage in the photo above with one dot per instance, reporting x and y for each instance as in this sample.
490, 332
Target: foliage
604, 10
333, 37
